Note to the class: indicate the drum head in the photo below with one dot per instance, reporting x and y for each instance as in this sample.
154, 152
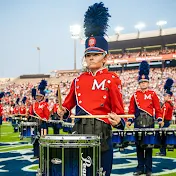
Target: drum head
169, 129
28, 124
70, 140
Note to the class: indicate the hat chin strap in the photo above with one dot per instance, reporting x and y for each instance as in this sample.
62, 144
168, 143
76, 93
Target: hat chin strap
42, 98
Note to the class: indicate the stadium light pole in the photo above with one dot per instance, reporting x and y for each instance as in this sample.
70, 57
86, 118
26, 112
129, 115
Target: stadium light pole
38, 48
75, 34
139, 27
161, 23
118, 29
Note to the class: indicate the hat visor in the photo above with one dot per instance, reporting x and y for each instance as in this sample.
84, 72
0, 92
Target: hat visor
40, 95
94, 50
143, 80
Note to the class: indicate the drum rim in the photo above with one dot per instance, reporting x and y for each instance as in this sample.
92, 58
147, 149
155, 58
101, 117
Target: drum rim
72, 137
28, 123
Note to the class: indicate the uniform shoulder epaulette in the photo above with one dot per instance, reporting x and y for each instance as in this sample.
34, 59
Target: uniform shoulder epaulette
152, 91
114, 74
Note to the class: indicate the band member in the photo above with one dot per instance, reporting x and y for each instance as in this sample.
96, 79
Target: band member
97, 91
23, 113
40, 109
167, 109
22, 108
1, 107
16, 111
56, 126
143, 103
16, 108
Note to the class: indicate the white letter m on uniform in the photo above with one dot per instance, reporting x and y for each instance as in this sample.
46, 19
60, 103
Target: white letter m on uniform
147, 97
98, 86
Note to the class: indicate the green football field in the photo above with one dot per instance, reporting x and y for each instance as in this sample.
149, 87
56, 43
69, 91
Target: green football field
7, 135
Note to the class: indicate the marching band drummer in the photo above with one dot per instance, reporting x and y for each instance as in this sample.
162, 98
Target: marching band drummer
22, 108
55, 116
41, 110
1, 107
143, 103
97, 91
16, 112
22, 112
167, 110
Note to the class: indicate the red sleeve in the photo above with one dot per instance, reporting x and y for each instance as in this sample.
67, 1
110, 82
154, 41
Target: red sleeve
1, 109
70, 100
131, 108
164, 110
31, 111
116, 96
156, 105
25, 110
46, 111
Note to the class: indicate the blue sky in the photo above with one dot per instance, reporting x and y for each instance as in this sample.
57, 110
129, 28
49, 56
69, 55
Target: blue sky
26, 24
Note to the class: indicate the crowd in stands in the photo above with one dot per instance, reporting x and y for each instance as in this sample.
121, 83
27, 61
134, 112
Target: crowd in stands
129, 84
130, 54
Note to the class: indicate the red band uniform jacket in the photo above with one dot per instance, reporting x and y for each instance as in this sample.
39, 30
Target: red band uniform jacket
97, 94
167, 110
147, 102
40, 109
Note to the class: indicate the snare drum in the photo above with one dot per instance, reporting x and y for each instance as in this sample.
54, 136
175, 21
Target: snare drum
24, 119
15, 123
169, 137
151, 137
69, 155
15, 120
28, 129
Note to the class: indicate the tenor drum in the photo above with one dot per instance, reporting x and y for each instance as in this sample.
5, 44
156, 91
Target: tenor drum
28, 129
117, 138
129, 137
151, 137
169, 137
15, 120
69, 155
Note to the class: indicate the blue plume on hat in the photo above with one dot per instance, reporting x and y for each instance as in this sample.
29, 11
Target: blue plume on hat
34, 92
17, 101
7, 93
2, 94
24, 100
42, 87
57, 93
96, 24
144, 69
96, 20
168, 86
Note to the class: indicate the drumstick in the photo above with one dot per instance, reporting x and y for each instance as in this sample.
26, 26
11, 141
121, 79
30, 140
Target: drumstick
101, 116
59, 97
37, 117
